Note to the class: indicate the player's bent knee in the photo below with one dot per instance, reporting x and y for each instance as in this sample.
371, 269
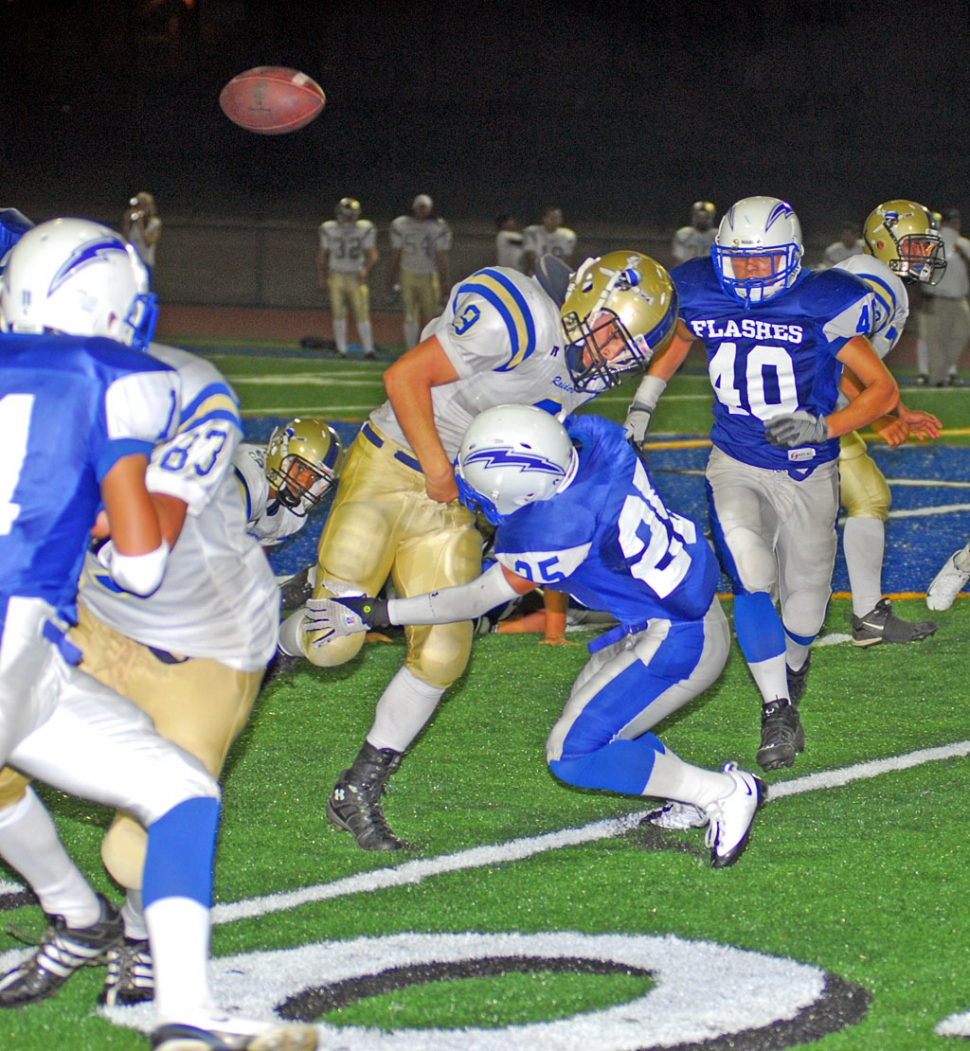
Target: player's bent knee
330, 653
439, 655
13, 787
123, 851
177, 778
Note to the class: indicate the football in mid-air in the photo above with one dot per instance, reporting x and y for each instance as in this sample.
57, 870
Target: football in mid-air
272, 100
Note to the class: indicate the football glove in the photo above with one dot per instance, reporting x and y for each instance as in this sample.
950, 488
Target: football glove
640, 412
372, 611
794, 429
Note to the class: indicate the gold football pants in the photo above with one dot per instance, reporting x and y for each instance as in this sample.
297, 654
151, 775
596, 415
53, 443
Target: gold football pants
199, 704
348, 288
383, 523
420, 296
863, 489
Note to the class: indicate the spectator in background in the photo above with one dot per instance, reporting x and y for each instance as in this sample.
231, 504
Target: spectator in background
549, 237
142, 227
847, 245
945, 320
420, 246
694, 241
508, 243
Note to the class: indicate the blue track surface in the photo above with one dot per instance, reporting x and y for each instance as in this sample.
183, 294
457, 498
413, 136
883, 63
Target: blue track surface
915, 547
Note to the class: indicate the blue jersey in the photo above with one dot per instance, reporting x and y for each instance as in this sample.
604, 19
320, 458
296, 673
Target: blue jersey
773, 357
609, 540
70, 407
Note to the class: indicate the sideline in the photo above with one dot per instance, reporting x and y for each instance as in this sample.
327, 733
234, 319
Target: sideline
413, 872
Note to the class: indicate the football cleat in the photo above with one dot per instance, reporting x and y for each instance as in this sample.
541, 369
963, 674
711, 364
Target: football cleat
62, 952
295, 591
882, 625
234, 1034
730, 817
782, 735
796, 680
354, 805
131, 977
950, 580
677, 817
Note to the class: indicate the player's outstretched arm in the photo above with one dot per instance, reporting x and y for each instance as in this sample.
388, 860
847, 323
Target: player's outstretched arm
329, 618
654, 383
408, 383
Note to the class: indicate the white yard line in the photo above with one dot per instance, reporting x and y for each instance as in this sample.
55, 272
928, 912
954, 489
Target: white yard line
413, 872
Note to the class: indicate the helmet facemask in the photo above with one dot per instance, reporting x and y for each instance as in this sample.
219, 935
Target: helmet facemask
300, 486
784, 262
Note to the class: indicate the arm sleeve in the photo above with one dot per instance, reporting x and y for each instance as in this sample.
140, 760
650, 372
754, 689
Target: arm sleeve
463, 602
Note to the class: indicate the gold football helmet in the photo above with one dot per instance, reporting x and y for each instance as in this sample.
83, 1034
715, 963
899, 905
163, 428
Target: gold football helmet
348, 209
901, 234
620, 309
303, 460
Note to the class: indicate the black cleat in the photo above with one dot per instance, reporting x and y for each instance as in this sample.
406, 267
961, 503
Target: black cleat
796, 680
882, 625
296, 590
354, 805
131, 977
63, 951
782, 735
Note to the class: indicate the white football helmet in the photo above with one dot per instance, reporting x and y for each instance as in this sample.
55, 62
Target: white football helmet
758, 228
79, 278
513, 455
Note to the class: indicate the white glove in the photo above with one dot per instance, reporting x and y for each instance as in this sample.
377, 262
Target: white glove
326, 619
644, 403
794, 429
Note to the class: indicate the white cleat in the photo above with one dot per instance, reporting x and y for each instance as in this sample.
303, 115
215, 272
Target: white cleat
677, 817
732, 815
234, 1034
950, 580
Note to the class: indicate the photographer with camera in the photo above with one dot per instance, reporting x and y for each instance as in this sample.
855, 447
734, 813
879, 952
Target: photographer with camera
142, 227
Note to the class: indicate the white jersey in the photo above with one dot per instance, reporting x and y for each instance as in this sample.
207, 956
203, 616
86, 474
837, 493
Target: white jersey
509, 247
691, 243
503, 336
954, 284
268, 521
346, 244
837, 253
890, 299
218, 599
540, 242
418, 242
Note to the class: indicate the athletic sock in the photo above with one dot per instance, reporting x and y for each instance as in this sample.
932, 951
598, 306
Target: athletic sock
402, 711
864, 544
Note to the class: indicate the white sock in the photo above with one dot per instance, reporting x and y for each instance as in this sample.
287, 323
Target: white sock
366, 330
770, 677
30, 844
864, 544
404, 708
922, 360
412, 329
133, 913
672, 778
796, 653
178, 930
340, 335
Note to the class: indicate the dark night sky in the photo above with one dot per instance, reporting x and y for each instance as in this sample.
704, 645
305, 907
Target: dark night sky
622, 111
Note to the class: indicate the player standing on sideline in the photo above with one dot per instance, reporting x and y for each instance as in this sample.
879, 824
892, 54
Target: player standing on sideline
900, 246
347, 254
80, 411
777, 338
574, 506
549, 237
509, 243
694, 241
847, 246
554, 342
420, 246
141, 227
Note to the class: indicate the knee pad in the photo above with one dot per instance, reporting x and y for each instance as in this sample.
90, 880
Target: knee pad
13, 787
438, 654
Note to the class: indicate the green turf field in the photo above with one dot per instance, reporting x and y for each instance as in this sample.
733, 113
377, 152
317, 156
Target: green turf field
849, 914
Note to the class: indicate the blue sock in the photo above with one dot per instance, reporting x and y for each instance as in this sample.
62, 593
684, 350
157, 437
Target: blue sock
181, 846
758, 626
